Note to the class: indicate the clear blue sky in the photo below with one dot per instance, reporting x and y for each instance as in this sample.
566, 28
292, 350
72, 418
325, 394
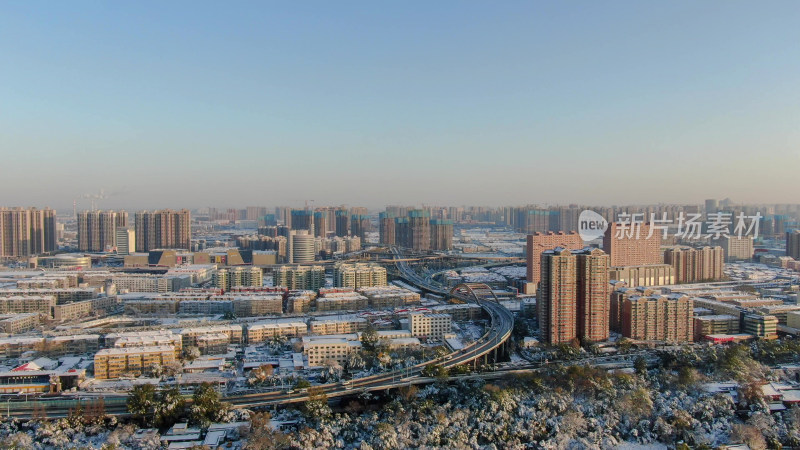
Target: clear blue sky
170, 104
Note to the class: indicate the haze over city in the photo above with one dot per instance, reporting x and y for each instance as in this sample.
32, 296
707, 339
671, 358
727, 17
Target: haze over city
191, 104
257, 225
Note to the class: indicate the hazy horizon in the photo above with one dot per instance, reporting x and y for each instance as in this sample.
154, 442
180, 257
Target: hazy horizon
85, 205
194, 104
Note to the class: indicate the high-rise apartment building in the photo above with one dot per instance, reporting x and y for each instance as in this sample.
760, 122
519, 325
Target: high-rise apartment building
126, 240
419, 230
359, 211
414, 231
398, 211
539, 242
342, 223
573, 295
359, 224
531, 220
255, 212
632, 244
737, 248
441, 234
302, 219
43, 230
227, 279
300, 247
793, 244
284, 215
386, 228
557, 301
320, 223
309, 278
163, 229
27, 231
694, 265
658, 318
402, 230
593, 295
97, 230
618, 297
358, 275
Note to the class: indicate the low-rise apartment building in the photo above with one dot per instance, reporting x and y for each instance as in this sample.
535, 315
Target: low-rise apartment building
112, 363
338, 324
19, 304
173, 340
263, 331
318, 350
299, 302
715, 324
191, 335
19, 323
386, 297
342, 301
762, 326
358, 275
430, 326
72, 345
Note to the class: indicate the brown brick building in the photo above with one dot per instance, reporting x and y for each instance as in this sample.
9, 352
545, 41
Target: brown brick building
593, 295
693, 265
658, 318
573, 299
629, 245
539, 242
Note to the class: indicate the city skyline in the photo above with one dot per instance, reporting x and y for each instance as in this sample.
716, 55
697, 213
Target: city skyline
400, 225
87, 205
165, 105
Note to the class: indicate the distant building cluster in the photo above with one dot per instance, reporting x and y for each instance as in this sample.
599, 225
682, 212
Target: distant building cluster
240, 304
694, 265
294, 289
163, 229
293, 246
98, 231
112, 231
416, 230
209, 257
27, 232
639, 263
